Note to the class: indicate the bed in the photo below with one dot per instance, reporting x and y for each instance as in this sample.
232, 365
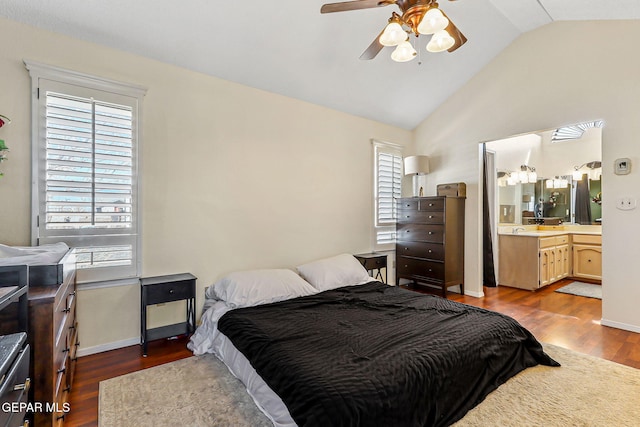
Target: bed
341, 349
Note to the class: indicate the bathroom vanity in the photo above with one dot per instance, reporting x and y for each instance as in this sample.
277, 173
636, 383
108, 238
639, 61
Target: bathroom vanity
533, 257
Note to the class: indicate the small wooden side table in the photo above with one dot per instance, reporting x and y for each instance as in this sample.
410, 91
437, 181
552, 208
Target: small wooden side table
374, 261
161, 289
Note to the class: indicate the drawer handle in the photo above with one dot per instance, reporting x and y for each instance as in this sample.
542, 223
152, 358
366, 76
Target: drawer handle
171, 291
72, 294
67, 388
66, 350
431, 232
62, 371
429, 251
66, 310
25, 386
430, 204
431, 216
430, 271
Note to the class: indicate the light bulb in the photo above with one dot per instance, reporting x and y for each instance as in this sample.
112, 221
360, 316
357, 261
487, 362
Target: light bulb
393, 35
440, 42
432, 21
404, 52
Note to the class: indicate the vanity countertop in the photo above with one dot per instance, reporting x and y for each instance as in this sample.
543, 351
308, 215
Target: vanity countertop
532, 231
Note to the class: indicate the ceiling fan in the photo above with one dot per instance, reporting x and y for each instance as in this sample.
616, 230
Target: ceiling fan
419, 17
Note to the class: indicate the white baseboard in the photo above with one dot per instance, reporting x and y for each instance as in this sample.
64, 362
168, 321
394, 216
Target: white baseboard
474, 294
619, 325
108, 346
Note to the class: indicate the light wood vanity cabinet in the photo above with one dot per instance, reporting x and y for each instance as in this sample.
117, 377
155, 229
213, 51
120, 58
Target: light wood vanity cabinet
587, 256
531, 262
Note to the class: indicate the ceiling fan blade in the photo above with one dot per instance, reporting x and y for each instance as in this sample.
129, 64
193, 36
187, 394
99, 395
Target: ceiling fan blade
374, 48
352, 5
455, 33
457, 36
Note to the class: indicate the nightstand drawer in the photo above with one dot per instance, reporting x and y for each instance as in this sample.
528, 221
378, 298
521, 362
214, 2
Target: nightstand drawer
167, 292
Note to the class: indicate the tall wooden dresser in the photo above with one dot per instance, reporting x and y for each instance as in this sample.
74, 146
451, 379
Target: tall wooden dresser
53, 333
430, 242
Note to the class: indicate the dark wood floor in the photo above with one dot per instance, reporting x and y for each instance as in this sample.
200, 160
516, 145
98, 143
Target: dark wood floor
565, 320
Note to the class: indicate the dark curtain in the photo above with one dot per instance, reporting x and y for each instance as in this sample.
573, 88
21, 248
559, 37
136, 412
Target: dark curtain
583, 201
489, 273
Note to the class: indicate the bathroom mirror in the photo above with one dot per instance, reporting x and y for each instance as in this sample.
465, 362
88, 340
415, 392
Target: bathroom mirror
544, 174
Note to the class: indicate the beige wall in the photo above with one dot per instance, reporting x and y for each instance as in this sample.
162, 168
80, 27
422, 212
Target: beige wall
232, 177
563, 73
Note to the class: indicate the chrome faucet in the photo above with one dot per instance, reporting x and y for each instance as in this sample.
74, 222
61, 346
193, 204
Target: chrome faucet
515, 230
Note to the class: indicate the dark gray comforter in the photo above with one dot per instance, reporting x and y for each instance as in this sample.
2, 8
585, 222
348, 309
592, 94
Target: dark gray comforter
376, 355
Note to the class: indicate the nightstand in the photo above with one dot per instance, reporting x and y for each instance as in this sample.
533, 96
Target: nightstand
374, 261
162, 289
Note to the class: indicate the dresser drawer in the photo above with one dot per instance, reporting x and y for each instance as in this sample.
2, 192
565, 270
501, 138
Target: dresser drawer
408, 204
167, 292
431, 271
435, 204
424, 217
420, 233
432, 251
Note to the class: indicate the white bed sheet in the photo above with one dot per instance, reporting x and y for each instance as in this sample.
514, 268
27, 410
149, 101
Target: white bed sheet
208, 339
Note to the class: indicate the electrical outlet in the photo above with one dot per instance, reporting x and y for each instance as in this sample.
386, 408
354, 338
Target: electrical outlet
626, 203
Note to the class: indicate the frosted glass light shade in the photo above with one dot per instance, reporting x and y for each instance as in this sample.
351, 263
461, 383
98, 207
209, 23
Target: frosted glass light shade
432, 21
393, 35
440, 42
416, 165
404, 52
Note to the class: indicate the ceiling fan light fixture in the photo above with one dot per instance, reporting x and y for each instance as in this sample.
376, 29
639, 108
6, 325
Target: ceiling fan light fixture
440, 41
432, 22
393, 35
404, 52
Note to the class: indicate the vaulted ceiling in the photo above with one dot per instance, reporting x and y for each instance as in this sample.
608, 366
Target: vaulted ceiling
288, 47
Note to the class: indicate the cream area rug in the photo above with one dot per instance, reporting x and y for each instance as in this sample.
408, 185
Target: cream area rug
200, 392
582, 289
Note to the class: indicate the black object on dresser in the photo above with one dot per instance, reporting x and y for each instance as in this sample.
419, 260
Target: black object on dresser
430, 241
14, 379
374, 261
14, 350
162, 289
53, 334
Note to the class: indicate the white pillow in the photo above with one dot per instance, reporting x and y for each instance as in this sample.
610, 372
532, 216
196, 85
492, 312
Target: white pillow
335, 272
254, 287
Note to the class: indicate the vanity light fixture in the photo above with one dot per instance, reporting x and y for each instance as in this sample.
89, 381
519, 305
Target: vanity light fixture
593, 173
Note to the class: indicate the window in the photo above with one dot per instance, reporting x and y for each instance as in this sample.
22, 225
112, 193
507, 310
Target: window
85, 145
387, 188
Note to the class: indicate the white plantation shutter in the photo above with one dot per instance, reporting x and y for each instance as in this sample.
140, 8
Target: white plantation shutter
86, 164
387, 188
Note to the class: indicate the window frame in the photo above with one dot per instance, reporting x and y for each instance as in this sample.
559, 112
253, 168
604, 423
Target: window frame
395, 150
79, 84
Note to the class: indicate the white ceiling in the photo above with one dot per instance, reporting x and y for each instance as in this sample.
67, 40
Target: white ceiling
288, 47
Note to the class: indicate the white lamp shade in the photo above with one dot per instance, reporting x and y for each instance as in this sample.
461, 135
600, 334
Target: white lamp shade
432, 21
416, 165
440, 42
404, 52
393, 35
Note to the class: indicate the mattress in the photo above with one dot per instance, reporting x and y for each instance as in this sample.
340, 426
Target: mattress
208, 339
